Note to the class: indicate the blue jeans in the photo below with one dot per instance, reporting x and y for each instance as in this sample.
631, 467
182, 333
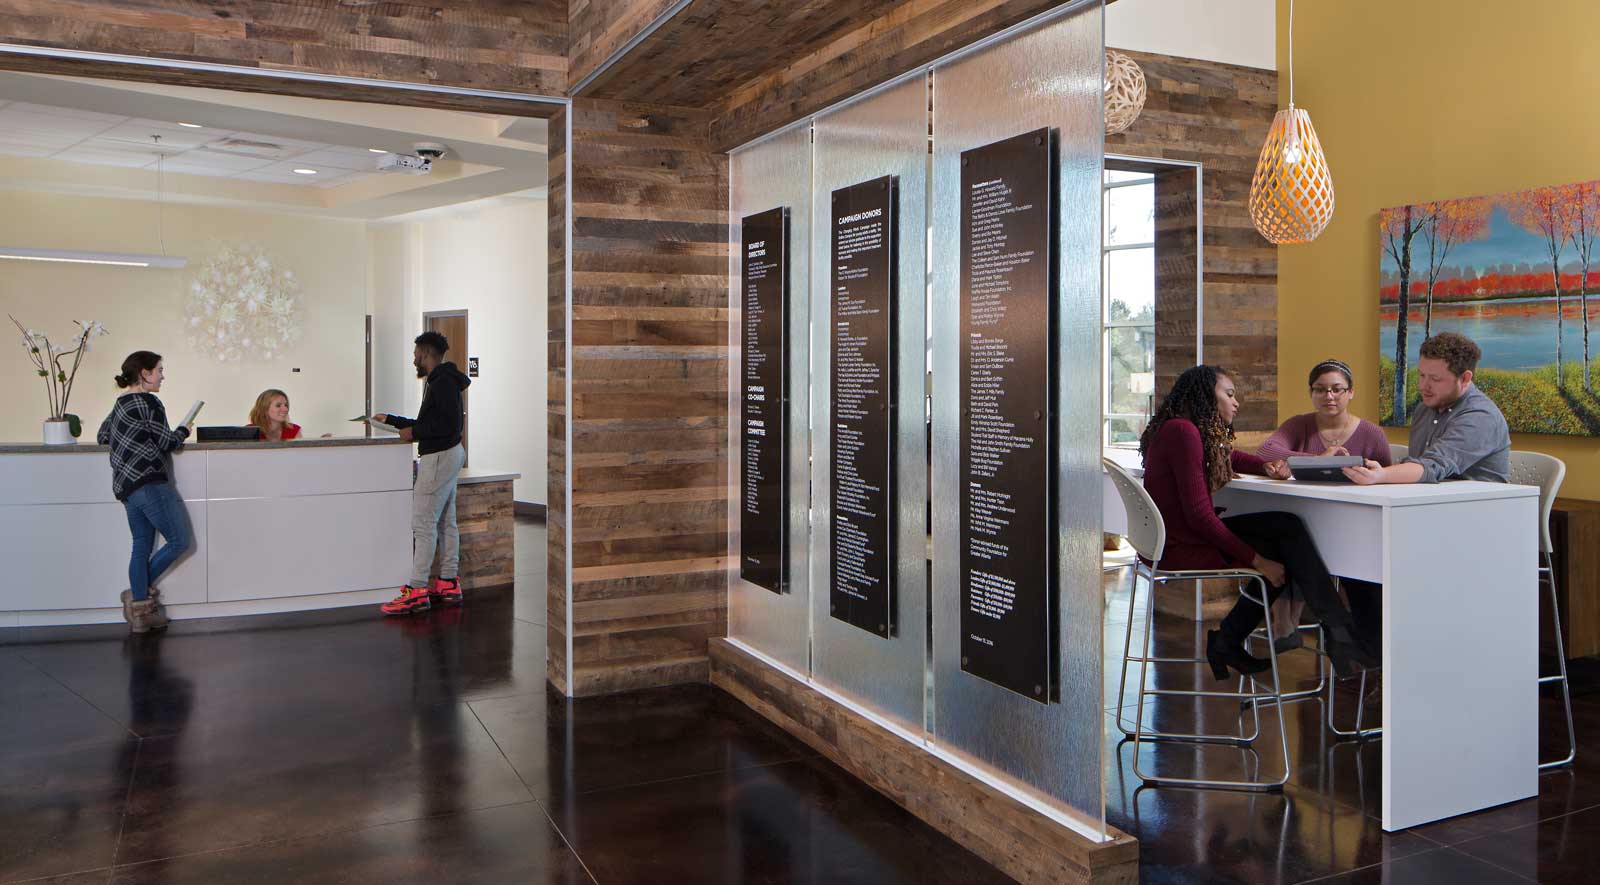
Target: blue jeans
155, 508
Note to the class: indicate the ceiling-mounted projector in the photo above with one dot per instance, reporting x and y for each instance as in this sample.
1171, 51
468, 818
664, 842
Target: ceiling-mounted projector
409, 164
420, 163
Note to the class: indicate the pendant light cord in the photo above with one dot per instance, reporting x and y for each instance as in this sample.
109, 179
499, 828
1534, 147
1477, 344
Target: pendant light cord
1291, 53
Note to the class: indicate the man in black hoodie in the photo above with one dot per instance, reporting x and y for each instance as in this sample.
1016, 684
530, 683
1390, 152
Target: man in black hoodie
437, 433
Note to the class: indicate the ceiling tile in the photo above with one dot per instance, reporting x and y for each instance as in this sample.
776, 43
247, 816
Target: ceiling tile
349, 159
87, 154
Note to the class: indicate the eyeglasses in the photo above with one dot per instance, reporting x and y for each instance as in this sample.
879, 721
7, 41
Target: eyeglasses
1324, 391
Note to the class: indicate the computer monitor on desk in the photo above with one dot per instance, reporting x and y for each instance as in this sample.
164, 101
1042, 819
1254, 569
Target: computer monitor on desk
247, 433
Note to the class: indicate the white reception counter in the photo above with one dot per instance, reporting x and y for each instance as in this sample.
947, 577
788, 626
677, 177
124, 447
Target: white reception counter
278, 527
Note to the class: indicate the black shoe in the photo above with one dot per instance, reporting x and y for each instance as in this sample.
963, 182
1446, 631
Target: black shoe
1348, 658
1289, 643
1221, 655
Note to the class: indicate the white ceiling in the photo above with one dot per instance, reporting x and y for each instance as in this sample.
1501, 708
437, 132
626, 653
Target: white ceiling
80, 136
1237, 32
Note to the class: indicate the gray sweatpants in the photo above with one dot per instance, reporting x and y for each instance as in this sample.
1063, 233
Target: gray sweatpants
433, 515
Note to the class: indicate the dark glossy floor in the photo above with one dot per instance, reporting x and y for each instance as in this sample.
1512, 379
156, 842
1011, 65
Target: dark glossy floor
337, 747
1325, 824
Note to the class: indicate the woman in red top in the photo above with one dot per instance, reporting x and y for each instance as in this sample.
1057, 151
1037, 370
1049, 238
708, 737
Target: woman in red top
1188, 454
271, 414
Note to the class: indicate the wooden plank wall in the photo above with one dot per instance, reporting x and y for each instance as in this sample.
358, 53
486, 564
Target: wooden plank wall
649, 368
502, 45
1218, 115
488, 535
557, 513
750, 38
601, 27
913, 33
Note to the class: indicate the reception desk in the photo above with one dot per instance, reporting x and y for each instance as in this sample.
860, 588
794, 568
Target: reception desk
278, 526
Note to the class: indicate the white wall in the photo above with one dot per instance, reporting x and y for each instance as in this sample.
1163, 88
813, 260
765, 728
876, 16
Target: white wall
487, 258
1240, 32
144, 308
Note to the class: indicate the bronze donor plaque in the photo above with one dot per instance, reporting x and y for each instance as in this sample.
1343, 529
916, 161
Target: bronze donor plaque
1008, 608
862, 289
764, 397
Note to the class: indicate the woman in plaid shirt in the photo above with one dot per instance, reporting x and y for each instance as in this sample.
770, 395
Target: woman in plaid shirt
140, 441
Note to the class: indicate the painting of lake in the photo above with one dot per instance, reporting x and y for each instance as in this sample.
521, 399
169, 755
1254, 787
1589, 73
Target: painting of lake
1517, 273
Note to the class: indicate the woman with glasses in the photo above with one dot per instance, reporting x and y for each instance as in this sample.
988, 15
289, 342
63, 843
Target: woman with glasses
1328, 429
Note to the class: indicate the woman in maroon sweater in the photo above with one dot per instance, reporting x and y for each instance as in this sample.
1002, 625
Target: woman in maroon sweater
1188, 454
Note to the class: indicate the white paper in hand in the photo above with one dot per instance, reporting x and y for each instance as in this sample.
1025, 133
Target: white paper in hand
194, 411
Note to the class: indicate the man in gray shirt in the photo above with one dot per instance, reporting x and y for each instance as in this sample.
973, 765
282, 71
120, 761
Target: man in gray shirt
1458, 433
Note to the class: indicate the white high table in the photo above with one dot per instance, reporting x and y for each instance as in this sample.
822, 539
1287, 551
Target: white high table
1457, 561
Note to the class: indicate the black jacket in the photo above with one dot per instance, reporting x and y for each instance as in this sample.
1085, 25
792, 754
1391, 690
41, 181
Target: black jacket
137, 432
438, 424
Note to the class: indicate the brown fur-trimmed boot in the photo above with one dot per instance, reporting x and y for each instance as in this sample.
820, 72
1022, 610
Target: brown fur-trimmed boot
144, 616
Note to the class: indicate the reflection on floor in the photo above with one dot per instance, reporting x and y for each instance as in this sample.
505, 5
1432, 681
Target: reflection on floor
338, 747
1325, 825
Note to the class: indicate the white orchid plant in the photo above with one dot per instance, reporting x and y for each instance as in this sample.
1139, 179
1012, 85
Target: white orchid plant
58, 364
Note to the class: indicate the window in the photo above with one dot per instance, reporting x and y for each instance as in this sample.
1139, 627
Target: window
1129, 281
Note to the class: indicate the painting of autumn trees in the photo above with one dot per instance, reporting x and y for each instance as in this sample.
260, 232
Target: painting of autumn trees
1514, 272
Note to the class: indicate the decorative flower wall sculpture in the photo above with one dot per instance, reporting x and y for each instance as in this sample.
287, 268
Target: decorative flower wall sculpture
242, 306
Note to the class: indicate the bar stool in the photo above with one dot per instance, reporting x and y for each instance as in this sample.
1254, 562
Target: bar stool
1147, 532
1398, 453
1547, 472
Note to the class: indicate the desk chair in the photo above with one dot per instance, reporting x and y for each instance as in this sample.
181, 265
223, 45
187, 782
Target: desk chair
1547, 472
1147, 532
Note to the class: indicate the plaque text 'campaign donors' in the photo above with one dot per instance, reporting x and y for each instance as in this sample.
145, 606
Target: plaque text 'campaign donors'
1006, 541
862, 486
763, 514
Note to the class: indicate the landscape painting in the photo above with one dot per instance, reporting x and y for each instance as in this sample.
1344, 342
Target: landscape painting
1516, 273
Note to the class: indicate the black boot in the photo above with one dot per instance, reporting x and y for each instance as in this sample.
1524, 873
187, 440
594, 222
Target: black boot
1222, 654
1348, 656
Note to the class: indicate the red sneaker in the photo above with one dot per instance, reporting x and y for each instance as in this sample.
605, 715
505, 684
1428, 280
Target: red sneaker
410, 601
443, 592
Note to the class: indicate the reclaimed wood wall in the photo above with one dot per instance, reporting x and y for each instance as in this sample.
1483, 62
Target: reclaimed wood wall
599, 28
1218, 115
912, 33
557, 513
647, 512
485, 519
500, 45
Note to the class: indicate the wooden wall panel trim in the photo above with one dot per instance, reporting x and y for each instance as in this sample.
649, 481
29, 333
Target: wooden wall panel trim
601, 27
1021, 842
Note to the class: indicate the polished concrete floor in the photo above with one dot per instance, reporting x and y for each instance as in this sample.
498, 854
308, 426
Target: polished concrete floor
337, 747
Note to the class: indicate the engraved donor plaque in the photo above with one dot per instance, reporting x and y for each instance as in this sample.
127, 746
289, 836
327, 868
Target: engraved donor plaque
862, 290
1007, 552
763, 393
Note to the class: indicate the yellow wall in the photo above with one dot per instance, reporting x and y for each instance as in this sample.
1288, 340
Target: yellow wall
1422, 100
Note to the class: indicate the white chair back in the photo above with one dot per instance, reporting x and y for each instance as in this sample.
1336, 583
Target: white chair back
1398, 453
1546, 472
1147, 532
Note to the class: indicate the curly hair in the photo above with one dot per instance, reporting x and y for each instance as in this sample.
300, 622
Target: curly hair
1194, 397
1458, 351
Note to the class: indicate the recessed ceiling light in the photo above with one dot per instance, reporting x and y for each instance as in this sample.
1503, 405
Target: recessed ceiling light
305, 172
191, 125
378, 150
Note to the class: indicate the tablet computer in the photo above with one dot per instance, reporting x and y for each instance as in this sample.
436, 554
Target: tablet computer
1318, 469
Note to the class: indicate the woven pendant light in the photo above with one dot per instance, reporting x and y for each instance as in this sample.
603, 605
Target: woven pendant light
1125, 91
1291, 195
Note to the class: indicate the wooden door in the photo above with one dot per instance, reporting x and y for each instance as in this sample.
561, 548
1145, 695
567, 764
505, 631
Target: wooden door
452, 324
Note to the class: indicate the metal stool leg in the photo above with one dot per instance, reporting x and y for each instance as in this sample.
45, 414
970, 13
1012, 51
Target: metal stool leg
1358, 733
1127, 649
1548, 572
1276, 695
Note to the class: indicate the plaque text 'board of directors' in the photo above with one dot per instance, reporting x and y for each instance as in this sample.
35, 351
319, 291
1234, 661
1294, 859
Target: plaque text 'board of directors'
763, 393
862, 290
1007, 552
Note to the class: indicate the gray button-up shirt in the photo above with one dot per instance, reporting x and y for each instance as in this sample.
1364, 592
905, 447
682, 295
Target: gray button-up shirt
1466, 440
